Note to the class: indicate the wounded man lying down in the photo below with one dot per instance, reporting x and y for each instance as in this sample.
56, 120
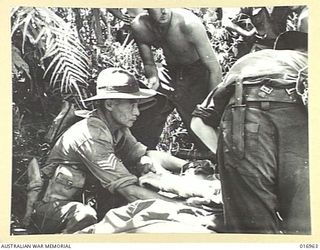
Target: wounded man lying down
201, 213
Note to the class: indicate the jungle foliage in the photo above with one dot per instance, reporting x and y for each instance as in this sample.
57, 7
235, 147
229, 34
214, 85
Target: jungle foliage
57, 54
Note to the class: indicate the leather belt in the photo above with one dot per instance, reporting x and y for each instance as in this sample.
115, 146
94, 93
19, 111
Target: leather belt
263, 97
269, 105
264, 93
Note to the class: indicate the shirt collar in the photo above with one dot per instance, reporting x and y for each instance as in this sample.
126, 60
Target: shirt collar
107, 119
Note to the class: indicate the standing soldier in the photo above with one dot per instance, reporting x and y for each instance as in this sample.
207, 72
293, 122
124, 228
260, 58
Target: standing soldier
192, 64
263, 140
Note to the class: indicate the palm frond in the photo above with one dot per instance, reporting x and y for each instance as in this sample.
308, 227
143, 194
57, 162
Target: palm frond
18, 15
59, 43
26, 21
63, 54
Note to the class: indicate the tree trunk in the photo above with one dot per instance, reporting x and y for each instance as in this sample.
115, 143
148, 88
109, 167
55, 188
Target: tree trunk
97, 26
78, 22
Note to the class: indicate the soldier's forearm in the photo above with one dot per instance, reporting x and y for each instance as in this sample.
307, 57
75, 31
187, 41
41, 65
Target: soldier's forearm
206, 134
133, 192
215, 72
166, 160
214, 79
212, 64
234, 27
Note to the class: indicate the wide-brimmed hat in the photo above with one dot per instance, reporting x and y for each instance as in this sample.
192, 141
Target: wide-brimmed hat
291, 40
116, 83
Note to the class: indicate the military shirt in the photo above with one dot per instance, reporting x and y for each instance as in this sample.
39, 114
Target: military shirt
105, 150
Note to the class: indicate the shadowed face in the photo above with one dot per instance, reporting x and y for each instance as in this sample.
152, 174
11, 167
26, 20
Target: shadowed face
124, 111
161, 15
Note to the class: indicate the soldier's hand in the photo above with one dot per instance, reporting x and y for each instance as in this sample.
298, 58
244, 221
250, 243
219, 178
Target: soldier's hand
126, 18
146, 165
198, 201
116, 12
150, 179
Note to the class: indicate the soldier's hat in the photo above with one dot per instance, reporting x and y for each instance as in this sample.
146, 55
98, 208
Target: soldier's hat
117, 83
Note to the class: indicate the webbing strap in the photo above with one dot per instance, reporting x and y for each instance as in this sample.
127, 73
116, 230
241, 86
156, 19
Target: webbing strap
238, 117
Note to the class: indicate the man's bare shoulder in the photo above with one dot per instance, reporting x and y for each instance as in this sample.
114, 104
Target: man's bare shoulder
188, 21
141, 19
141, 26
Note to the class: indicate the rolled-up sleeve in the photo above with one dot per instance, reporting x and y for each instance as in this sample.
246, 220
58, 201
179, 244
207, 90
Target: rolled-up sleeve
99, 157
207, 111
211, 109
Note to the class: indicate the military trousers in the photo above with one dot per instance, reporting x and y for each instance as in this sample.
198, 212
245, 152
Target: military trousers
266, 190
191, 86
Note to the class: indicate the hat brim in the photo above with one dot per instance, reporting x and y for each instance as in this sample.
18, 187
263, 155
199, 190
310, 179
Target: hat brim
141, 94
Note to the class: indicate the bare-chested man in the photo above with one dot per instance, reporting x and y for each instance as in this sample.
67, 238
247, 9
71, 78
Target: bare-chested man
191, 61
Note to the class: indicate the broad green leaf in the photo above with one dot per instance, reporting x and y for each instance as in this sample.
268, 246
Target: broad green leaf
18, 62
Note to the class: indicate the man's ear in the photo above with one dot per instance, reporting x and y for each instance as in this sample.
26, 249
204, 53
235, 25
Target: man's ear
108, 104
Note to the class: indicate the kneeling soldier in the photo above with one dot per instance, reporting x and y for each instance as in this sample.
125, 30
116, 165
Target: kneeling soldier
101, 146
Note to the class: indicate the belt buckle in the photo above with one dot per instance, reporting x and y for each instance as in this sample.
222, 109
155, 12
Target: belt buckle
266, 89
290, 91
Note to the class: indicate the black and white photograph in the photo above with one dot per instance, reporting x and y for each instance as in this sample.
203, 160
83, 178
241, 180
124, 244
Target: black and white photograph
160, 120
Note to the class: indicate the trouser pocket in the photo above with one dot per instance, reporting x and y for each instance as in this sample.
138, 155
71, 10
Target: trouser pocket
230, 150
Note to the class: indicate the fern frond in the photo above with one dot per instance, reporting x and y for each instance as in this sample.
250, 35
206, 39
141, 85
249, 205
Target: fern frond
57, 41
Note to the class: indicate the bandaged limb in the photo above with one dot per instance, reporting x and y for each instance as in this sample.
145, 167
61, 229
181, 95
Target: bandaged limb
158, 162
34, 188
133, 192
184, 186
